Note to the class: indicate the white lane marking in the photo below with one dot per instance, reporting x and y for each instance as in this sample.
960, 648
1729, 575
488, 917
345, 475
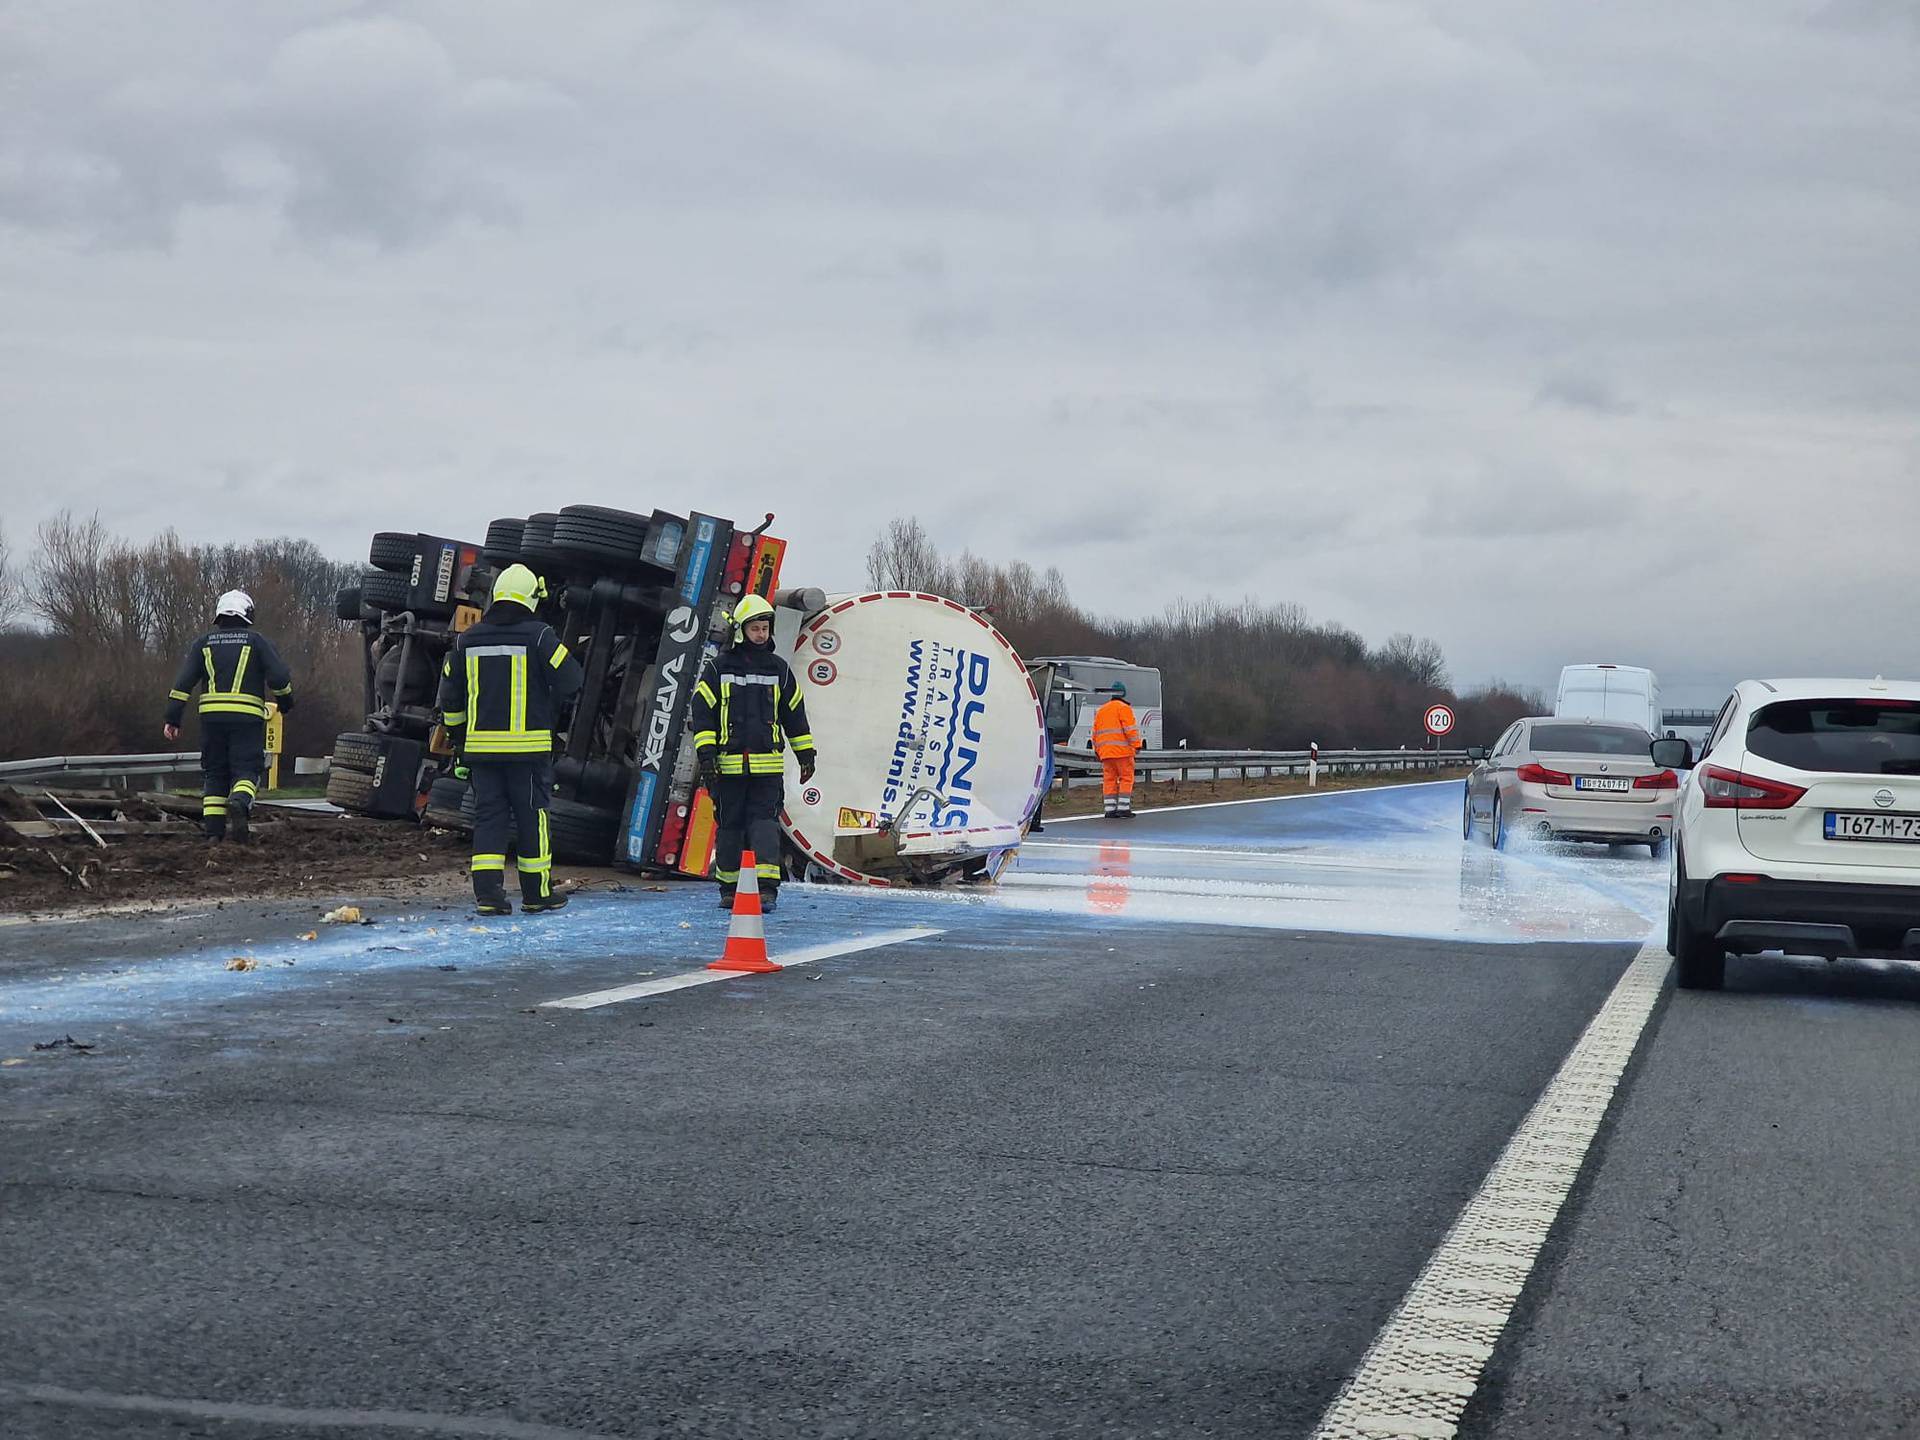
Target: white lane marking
488, 1427
1410, 1387
1261, 800
687, 979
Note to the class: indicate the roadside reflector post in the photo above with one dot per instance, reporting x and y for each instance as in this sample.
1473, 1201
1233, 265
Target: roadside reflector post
1313, 764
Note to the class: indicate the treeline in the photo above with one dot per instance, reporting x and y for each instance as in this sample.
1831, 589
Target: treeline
1235, 676
114, 618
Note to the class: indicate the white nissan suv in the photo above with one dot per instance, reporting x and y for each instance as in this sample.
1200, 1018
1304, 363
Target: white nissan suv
1799, 829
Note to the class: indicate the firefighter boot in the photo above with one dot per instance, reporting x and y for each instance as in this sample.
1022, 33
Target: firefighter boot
537, 895
490, 893
726, 897
769, 899
237, 822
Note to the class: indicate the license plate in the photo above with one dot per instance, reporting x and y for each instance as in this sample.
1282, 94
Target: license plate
1854, 825
1600, 782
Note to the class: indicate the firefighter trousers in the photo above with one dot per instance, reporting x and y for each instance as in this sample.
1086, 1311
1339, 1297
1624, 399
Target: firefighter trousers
510, 803
1116, 783
748, 813
233, 757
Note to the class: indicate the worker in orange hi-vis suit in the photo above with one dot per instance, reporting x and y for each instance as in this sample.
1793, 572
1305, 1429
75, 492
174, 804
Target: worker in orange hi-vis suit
1116, 736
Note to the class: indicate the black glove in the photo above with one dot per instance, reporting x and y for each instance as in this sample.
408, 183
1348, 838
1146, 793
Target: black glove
709, 769
285, 702
808, 760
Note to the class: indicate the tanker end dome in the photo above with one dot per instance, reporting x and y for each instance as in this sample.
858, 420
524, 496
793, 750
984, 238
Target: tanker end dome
932, 744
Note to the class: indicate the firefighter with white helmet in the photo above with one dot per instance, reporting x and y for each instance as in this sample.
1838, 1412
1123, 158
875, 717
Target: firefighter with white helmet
748, 710
238, 672
502, 689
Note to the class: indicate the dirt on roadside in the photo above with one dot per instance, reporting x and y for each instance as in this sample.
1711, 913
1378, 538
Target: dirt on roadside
298, 853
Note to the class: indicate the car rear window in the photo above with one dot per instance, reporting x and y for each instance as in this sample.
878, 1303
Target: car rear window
1591, 740
1853, 737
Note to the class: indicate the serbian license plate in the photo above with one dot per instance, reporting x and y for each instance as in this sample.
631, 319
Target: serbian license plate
1601, 782
1856, 825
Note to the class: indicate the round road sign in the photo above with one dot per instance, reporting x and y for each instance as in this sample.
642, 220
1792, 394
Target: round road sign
1439, 719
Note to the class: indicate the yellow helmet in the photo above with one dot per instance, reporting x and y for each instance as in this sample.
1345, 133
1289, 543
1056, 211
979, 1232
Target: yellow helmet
520, 585
754, 607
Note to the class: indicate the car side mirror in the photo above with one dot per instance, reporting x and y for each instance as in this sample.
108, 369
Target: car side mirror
1477, 753
1672, 754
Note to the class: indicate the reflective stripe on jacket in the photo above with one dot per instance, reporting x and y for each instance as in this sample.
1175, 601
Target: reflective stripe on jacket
747, 706
504, 683
1115, 732
236, 670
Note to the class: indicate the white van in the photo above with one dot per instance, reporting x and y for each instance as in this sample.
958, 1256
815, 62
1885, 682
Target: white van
1610, 692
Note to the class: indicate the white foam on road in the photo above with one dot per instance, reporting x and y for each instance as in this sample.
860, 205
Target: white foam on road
1417, 1377
687, 979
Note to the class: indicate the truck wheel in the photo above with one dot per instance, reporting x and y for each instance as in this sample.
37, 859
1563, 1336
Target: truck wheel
384, 591
446, 805
582, 835
357, 750
350, 789
1699, 960
347, 604
598, 534
504, 539
393, 551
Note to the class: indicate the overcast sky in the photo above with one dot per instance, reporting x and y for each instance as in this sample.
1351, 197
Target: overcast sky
1556, 331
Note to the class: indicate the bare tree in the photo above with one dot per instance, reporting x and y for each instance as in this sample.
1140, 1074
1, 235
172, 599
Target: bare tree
903, 558
1417, 661
10, 588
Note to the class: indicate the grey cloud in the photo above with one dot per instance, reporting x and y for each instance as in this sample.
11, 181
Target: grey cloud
1581, 390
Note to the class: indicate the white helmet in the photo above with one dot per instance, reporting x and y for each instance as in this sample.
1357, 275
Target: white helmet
236, 603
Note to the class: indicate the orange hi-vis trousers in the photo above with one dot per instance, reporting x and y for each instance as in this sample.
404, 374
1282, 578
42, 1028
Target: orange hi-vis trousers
1116, 783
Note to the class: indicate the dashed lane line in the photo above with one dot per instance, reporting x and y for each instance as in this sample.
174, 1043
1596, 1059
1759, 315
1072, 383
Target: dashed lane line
1416, 1378
685, 980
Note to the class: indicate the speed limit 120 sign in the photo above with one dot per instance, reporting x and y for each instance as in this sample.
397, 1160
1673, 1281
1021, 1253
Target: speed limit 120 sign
1439, 720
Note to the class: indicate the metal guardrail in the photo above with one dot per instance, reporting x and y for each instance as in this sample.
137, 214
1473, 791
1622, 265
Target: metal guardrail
1245, 764
158, 766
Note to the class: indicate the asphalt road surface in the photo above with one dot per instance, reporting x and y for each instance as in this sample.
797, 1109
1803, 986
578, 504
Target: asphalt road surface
1152, 1142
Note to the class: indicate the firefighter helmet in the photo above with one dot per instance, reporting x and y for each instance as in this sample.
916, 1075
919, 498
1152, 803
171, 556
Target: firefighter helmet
519, 585
754, 607
236, 603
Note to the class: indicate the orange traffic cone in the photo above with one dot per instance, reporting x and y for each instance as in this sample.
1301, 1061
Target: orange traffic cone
746, 936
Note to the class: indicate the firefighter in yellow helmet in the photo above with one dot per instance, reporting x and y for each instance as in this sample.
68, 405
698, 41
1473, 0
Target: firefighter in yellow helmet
501, 692
747, 711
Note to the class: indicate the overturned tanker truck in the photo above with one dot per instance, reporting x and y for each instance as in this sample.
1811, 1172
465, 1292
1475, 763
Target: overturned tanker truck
932, 742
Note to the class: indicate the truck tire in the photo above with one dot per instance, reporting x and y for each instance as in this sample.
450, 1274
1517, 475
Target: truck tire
582, 835
393, 551
504, 538
357, 750
384, 591
347, 604
536, 541
447, 805
349, 789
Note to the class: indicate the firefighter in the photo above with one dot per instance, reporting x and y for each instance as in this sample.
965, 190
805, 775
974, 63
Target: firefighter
745, 708
1116, 736
238, 670
501, 690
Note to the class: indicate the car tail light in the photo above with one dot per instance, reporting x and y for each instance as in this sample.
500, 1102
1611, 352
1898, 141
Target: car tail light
1741, 879
1540, 775
1734, 790
1665, 780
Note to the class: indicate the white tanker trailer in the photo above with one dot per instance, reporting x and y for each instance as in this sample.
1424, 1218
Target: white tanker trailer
932, 741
